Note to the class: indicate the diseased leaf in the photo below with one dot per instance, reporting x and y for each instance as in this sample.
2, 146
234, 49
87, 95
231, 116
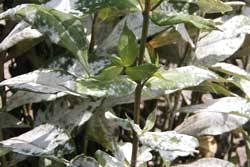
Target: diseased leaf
119, 87
229, 38
83, 161
177, 79
91, 6
62, 29
214, 162
42, 81
231, 69
162, 19
213, 6
142, 72
101, 130
128, 49
170, 144
70, 118
211, 123
20, 35
24, 97
229, 105
107, 160
43, 140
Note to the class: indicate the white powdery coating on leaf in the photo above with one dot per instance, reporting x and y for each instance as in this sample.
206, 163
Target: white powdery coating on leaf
42, 140
169, 141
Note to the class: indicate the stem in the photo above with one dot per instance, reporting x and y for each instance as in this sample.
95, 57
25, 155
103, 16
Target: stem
139, 85
3, 101
93, 36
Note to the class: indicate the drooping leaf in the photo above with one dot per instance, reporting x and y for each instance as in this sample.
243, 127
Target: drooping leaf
213, 6
142, 72
91, 6
210, 123
162, 19
128, 49
229, 105
21, 36
215, 162
42, 81
109, 73
230, 38
83, 161
170, 144
43, 140
231, 69
62, 29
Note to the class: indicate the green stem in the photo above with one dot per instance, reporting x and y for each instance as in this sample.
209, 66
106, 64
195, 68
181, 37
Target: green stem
139, 86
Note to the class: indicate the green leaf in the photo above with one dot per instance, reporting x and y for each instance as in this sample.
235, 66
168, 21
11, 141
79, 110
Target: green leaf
91, 6
61, 28
213, 6
128, 48
142, 72
150, 122
162, 19
109, 74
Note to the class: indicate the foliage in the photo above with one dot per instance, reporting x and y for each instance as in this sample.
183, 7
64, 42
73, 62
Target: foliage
91, 59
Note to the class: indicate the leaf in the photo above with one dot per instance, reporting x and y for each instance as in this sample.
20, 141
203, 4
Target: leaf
162, 19
134, 22
70, 118
107, 160
170, 144
231, 69
83, 161
101, 130
91, 6
214, 162
230, 38
44, 140
124, 123
18, 35
62, 29
119, 87
109, 73
142, 72
42, 81
211, 123
24, 97
177, 79
229, 105
150, 121
213, 6
127, 48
